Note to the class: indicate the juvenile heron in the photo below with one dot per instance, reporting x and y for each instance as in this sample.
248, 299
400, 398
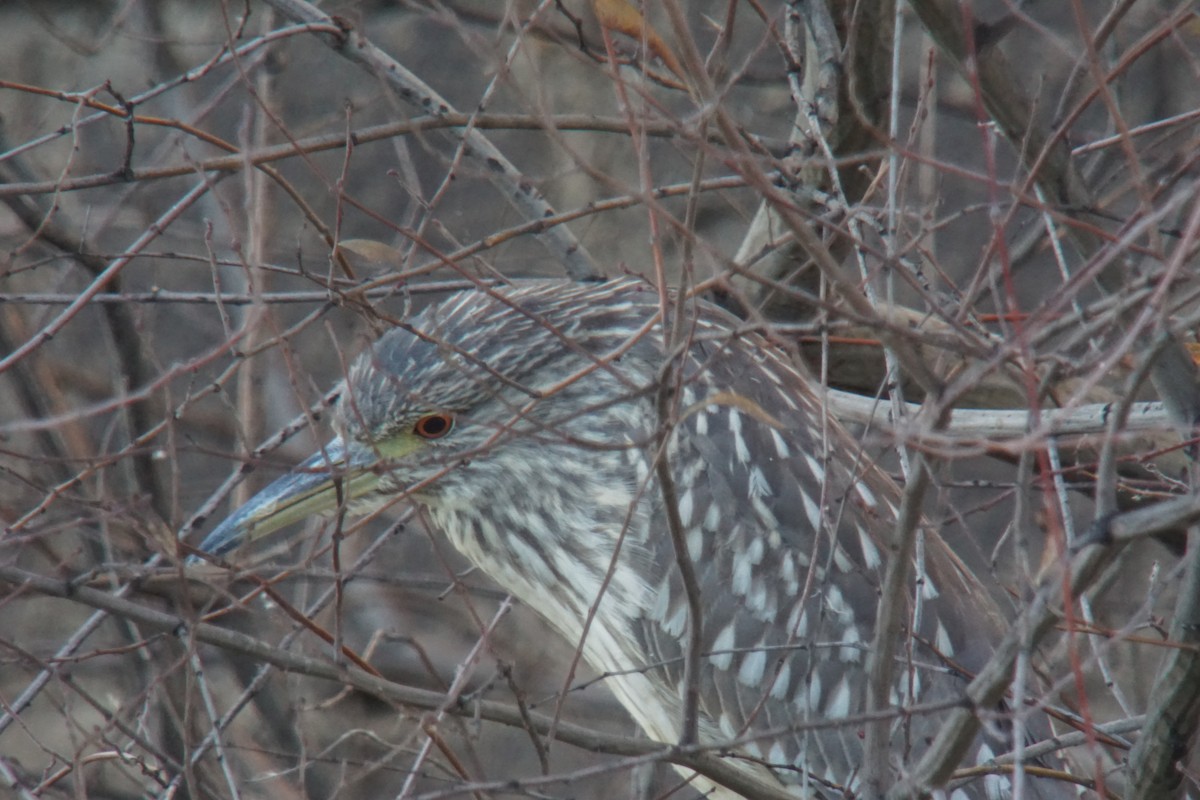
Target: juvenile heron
528, 422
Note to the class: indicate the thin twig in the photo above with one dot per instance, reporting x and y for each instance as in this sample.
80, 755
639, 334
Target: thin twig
512, 184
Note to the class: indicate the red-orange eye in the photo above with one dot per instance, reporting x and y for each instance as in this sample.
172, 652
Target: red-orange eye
434, 426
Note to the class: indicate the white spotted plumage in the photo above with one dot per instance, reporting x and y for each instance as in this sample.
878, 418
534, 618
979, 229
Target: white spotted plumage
549, 484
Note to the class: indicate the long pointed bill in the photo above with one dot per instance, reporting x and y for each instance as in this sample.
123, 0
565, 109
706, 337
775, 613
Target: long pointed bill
311, 488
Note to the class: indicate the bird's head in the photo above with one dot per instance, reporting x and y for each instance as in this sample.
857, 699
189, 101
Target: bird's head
470, 390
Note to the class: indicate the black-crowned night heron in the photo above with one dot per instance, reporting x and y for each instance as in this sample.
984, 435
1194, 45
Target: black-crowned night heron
528, 421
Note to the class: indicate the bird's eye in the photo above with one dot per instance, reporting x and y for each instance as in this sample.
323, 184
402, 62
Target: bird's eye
434, 426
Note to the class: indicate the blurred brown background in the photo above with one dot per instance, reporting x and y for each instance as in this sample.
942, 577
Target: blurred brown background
218, 315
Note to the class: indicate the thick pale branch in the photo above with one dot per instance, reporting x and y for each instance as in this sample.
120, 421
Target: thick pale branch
999, 424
